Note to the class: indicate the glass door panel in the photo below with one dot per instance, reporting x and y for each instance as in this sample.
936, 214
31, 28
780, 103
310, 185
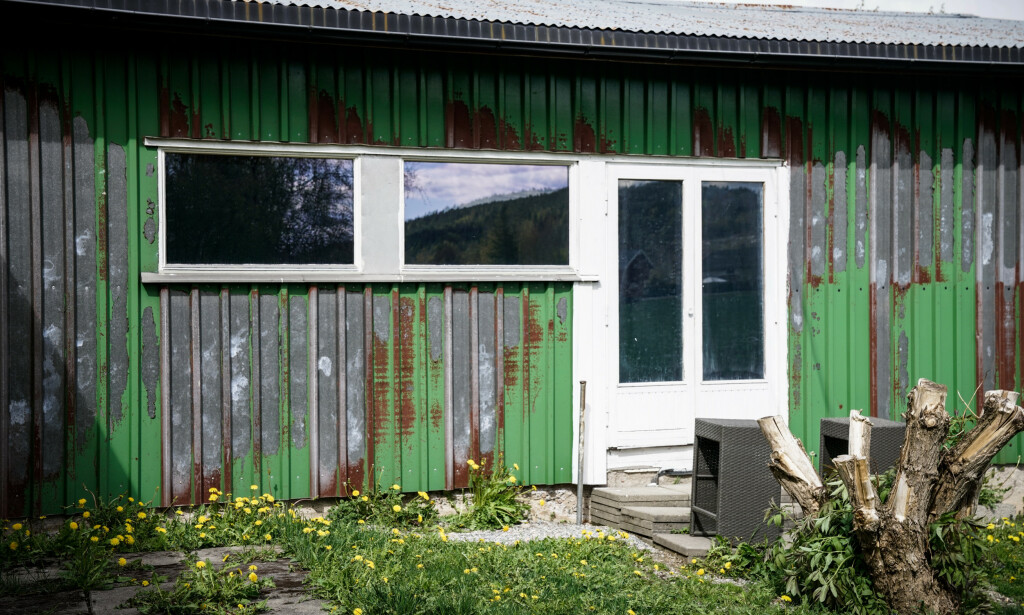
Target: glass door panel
732, 281
650, 262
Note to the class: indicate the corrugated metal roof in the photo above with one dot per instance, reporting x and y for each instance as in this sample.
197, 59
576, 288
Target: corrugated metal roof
709, 19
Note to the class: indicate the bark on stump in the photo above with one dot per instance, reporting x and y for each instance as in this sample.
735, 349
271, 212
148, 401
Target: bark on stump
930, 482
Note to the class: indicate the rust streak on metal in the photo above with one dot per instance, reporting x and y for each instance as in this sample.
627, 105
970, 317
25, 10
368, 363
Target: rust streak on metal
499, 369
312, 377
703, 133
164, 110
507, 135
178, 117
225, 387
342, 480
1006, 334
458, 127
369, 345
584, 140
406, 350
195, 360
353, 126
474, 372
726, 143
485, 129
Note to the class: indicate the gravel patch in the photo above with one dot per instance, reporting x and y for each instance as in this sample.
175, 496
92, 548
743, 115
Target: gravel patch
539, 530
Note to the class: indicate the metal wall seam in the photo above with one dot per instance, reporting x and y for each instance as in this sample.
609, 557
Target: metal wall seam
5, 356
314, 393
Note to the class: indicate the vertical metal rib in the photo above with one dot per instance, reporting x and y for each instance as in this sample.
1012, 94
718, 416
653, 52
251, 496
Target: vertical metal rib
225, 389
312, 346
449, 427
474, 376
196, 359
255, 344
499, 371
36, 282
369, 429
342, 369
166, 486
5, 358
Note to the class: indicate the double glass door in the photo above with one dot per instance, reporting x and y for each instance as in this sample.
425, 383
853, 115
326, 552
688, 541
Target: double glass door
692, 322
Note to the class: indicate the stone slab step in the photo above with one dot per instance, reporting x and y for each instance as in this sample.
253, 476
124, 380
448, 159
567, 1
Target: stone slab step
657, 514
609, 512
637, 496
599, 519
684, 544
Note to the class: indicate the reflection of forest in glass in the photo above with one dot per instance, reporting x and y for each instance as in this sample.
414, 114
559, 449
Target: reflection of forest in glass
486, 214
650, 281
732, 281
258, 210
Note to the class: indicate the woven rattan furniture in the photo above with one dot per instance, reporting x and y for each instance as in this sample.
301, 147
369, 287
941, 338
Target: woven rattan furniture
886, 441
732, 486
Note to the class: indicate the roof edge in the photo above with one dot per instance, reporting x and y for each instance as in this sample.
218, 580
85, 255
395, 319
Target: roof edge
455, 32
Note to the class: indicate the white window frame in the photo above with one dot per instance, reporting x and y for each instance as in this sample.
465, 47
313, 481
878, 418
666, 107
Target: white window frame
378, 218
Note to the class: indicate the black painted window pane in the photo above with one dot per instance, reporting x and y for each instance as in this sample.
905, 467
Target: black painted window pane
650, 281
460, 213
732, 281
258, 210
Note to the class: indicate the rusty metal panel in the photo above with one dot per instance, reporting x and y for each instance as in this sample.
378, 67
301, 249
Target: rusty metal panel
905, 244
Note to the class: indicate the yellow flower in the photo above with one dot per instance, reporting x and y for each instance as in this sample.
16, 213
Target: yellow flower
419, 565
369, 564
328, 547
990, 538
355, 492
423, 494
253, 568
145, 583
120, 509
122, 561
396, 508
141, 515
114, 542
357, 611
267, 536
396, 487
13, 546
93, 539
81, 502
630, 612
419, 518
259, 522
360, 522
253, 577
162, 530
200, 565
512, 479
213, 497
785, 598
515, 466
728, 565
202, 534
86, 515
254, 487
638, 573
16, 527
541, 502
693, 561
504, 528
178, 512
73, 525
365, 498
700, 572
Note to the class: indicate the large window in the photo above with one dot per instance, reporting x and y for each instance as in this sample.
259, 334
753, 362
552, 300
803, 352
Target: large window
282, 212
460, 213
257, 210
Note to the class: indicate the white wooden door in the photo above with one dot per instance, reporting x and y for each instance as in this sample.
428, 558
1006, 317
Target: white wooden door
696, 303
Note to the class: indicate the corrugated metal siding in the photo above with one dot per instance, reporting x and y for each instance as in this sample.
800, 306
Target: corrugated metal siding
905, 244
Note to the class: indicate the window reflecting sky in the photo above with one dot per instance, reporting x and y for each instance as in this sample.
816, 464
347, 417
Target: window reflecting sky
435, 186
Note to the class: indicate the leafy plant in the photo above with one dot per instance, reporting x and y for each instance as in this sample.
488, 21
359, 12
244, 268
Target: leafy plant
202, 588
493, 502
386, 508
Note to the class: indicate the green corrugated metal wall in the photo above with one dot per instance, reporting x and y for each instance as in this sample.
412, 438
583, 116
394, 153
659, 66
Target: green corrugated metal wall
904, 243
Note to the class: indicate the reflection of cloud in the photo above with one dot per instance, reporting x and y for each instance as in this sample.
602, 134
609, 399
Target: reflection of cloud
441, 185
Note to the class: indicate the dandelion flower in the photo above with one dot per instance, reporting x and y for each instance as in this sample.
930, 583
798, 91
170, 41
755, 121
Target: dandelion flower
122, 562
267, 536
396, 508
145, 583
515, 466
504, 528
512, 479
114, 542
141, 515
73, 525
86, 515
200, 565
360, 522
92, 539
254, 487
365, 498
396, 487
700, 572
120, 509
13, 546
357, 611
541, 502
728, 565
785, 598
81, 502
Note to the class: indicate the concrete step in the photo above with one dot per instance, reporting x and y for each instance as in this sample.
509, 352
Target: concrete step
656, 519
618, 497
684, 544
